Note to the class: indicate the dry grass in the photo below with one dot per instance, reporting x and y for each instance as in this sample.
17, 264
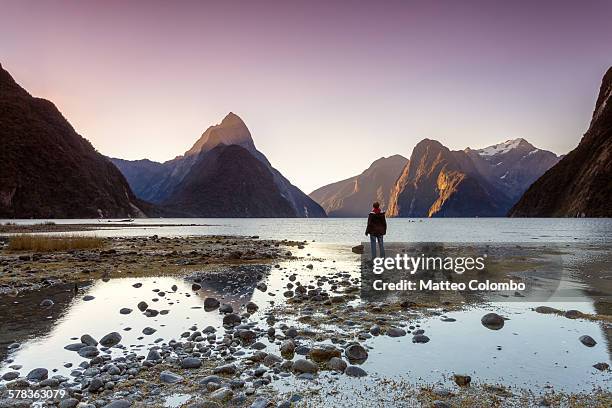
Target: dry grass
45, 243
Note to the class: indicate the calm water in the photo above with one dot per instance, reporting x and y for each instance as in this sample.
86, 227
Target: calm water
351, 230
532, 351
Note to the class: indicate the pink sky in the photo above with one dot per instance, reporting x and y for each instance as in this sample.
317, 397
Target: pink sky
325, 87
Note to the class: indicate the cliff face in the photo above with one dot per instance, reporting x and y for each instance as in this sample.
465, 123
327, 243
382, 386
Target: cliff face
581, 183
47, 170
438, 182
184, 186
354, 196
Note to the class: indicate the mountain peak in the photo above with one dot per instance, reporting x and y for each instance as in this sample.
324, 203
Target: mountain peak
505, 147
231, 131
231, 119
8, 83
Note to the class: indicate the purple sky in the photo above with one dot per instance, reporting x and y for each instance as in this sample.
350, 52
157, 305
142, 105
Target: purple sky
326, 87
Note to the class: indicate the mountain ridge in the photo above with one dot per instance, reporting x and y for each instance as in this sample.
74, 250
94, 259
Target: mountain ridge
47, 170
168, 184
579, 185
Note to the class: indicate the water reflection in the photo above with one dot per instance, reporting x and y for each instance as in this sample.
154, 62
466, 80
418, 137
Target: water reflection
532, 350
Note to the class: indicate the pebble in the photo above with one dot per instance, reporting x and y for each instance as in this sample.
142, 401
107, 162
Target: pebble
337, 364
260, 402
226, 308
169, 377
396, 332
354, 371
110, 339
492, 321
10, 376
231, 319
210, 303
87, 339
304, 366
46, 303
462, 380
38, 374
356, 353
125, 311
420, 338
191, 362
587, 341
118, 404
602, 366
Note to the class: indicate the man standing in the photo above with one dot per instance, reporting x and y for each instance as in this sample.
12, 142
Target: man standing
377, 227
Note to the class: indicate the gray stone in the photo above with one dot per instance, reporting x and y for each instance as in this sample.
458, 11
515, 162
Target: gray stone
492, 321
271, 360
210, 303
38, 374
191, 362
169, 377
587, 341
396, 332
215, 379
87, 339
46, 303
337, 364
602, 366
118, 404
75, 346
228, 369
10, 376
110, 339
154, 355
356, 353
125, 310
95, 385
420, 338
231, 319
287, 347
222, 394
260, 402
304, 366
89, 351
147, 331
69, 403
142, 306
251, 307
226, 308
354, 371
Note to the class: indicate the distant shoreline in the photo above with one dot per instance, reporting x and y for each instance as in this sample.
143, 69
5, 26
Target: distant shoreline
11, 228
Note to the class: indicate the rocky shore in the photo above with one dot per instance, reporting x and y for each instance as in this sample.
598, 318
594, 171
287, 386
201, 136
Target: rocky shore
304, 346
138, 256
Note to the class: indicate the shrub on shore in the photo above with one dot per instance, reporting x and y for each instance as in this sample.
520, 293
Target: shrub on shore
45, 243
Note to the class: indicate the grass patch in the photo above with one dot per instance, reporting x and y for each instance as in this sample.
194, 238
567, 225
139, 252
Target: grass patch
45, 243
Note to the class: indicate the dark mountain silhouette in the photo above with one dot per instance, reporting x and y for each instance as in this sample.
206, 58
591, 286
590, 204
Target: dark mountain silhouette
185, 185
581, 183
354, 196
216, 186
438, 182
47, 170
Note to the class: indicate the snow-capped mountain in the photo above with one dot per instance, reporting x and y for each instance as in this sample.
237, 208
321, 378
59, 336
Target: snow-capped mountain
512, 165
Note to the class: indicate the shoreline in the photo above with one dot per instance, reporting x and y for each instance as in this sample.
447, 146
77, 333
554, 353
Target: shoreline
319, 334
